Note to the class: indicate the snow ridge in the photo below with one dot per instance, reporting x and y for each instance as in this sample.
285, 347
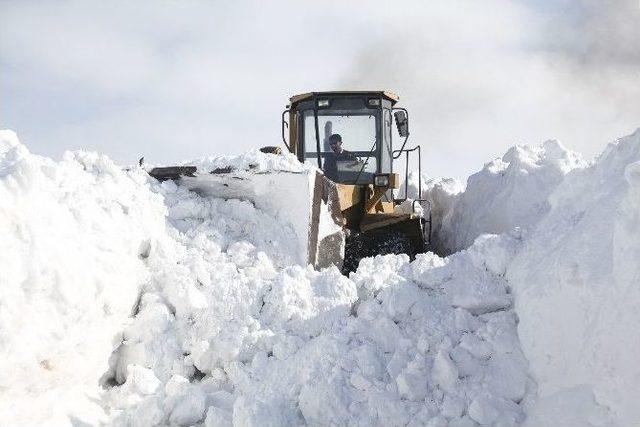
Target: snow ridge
574, 275
508, 192
69, 276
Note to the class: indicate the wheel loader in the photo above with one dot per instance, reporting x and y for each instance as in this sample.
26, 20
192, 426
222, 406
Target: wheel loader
346, 207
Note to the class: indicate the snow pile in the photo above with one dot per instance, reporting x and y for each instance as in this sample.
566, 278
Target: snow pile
80, 249
441, 195
69, 275
577, 287
236, 340
574, 276
253, 160
508, 192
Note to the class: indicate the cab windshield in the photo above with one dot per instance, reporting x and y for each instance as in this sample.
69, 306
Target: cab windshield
355, 160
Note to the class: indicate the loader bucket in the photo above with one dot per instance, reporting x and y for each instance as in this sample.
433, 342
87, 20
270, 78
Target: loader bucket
305, 201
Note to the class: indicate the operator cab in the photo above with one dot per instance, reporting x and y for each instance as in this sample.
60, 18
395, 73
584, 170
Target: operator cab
363, 120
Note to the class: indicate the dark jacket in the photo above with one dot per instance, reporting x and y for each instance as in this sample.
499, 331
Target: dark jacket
330, 165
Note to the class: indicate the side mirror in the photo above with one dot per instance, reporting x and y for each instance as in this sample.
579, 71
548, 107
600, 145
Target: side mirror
402, 122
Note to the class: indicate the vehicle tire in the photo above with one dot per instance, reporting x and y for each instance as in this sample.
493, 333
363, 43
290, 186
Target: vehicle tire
363, 245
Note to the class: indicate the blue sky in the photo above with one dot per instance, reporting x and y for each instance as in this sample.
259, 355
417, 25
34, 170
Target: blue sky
176, 80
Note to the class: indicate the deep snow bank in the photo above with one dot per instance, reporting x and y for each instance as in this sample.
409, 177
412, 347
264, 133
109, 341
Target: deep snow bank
76, 236
70, 234
575, 276
508, 192
577, 286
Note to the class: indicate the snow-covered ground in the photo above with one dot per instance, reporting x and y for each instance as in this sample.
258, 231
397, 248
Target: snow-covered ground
125, 301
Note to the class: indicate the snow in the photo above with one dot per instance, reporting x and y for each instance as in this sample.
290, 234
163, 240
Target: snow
576, 284
574, 273
291, 350
292, 196
254, 160
126, 301
69, 273
508, 192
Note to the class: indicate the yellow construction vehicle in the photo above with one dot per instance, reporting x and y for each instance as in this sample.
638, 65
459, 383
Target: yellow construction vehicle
350, 201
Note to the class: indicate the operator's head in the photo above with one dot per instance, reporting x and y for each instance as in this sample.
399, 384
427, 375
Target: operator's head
335, 142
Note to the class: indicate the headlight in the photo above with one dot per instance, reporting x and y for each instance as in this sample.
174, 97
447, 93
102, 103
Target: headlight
323, 103
381, 180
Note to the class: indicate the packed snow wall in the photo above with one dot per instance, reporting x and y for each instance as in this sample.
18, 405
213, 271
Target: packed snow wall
511, 191
575, 275
70, 237
577, 287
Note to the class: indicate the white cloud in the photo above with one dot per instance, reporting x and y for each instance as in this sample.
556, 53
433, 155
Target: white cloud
174, 80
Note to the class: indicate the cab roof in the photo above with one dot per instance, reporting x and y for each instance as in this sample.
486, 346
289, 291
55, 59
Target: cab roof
372, 93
